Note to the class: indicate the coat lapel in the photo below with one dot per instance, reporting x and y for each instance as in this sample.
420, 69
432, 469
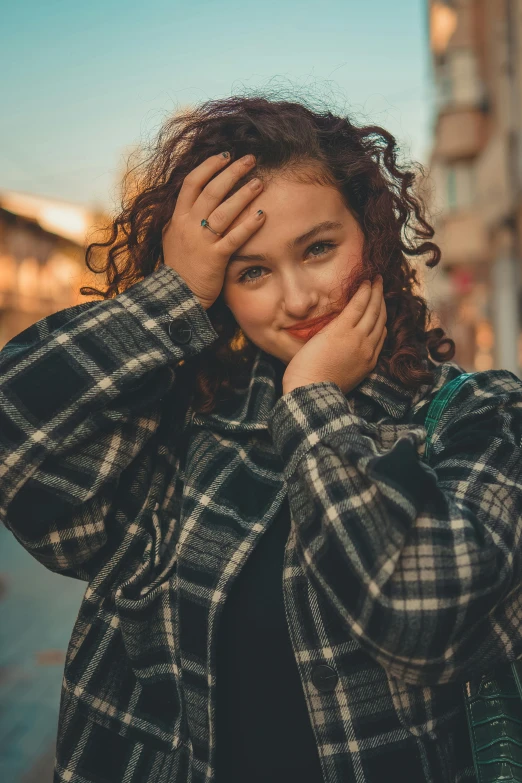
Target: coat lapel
376, 397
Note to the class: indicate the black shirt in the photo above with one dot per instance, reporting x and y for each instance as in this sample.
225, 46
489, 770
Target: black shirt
264, 734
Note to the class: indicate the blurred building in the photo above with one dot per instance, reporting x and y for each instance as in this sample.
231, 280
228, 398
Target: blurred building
476, 172
42, 258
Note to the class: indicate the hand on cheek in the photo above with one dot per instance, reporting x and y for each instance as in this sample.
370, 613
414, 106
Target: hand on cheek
347, 349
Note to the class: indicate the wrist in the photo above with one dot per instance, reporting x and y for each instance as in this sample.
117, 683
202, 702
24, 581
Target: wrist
289, 387
290, 384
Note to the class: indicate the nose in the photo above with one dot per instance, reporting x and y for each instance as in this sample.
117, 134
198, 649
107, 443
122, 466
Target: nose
299, 301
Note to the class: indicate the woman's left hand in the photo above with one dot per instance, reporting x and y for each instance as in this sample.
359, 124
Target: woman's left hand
347, 349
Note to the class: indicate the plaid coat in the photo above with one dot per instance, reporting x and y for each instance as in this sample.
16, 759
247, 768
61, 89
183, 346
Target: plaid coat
400, 580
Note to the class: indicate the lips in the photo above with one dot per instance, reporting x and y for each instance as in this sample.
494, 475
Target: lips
309, 324
305, 332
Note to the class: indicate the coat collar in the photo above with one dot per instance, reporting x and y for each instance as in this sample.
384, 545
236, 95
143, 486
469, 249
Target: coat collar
248, 411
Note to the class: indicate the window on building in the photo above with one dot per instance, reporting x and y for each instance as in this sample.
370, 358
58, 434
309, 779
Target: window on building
460, 186
451, 188
444, 93
457, 80
467, 89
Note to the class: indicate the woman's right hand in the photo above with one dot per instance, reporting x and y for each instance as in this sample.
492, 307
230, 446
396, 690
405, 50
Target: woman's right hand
198, 255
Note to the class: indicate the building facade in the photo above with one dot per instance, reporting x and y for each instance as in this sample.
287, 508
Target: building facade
42, 258
476, 176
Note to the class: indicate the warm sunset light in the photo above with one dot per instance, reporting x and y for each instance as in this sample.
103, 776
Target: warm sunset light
66, 220
443, 22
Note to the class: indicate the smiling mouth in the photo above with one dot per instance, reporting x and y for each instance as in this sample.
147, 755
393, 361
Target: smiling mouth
307, 328
319, 322
309, 331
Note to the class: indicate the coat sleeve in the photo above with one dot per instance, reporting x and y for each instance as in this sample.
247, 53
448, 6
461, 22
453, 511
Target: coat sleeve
422, 563
80, 396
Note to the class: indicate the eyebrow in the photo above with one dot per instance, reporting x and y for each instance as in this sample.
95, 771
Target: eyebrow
326, 225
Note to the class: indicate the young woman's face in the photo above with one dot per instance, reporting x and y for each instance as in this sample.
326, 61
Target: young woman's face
294, 283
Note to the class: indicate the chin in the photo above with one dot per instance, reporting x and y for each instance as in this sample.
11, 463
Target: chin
283, 357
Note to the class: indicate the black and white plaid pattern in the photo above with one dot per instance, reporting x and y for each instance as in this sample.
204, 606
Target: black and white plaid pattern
403, 578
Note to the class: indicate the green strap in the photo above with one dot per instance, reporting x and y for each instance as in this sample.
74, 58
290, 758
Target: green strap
487, 708
438, 405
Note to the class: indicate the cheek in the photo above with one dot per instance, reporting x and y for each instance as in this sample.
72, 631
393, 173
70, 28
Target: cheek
346, 265
246, 310
230, 297
251, 314
249, 308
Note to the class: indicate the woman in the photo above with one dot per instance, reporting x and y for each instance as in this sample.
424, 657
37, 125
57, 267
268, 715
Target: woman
279, 589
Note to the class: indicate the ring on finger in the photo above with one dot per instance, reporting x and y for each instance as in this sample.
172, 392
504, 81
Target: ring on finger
206, 224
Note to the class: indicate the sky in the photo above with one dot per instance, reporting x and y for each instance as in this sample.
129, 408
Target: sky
84, 83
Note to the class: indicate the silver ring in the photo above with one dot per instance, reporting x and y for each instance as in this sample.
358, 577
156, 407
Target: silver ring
205, 224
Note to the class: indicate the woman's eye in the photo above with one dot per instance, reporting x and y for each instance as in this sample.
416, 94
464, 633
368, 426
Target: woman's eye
243, 276
322, 244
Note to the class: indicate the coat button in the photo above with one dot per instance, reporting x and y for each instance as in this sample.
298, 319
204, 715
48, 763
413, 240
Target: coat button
324, 677
180, 331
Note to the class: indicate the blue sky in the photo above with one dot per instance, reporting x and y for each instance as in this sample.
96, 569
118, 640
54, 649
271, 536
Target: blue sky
85, 82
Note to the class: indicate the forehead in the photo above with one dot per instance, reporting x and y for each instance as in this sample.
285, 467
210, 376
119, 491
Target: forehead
287, 202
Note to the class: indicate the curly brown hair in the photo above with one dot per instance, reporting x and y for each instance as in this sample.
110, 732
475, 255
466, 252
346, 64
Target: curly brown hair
285, 137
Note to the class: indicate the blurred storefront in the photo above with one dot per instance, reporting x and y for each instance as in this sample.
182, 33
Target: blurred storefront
42, 258
476, 176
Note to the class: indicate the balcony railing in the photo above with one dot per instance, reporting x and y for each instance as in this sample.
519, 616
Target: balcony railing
460, 133
463, 238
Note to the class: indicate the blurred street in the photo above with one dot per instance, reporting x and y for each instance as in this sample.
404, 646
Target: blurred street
37, 612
